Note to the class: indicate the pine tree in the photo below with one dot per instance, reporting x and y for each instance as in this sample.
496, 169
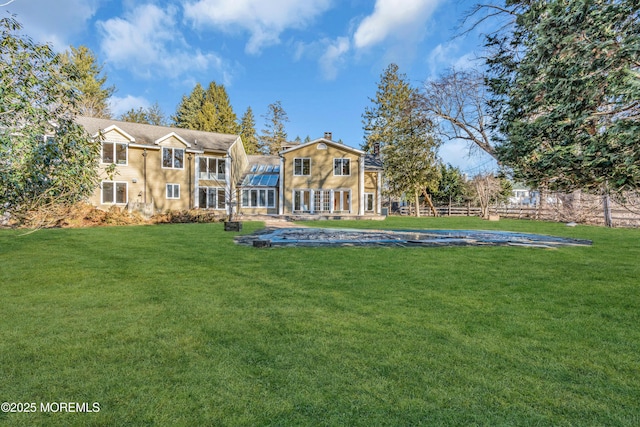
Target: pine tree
93, 95
187, 112
248, 132
274, 134
399, 125
208, 110
389, 107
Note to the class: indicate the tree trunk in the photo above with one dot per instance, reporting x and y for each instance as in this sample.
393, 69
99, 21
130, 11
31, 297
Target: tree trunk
606, 203
428, 199
417, 202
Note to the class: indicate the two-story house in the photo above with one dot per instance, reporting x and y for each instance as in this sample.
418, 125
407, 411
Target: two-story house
163, 168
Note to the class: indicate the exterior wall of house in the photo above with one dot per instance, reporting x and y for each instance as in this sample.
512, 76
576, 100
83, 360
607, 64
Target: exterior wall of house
132, 178
321, 191
372, 185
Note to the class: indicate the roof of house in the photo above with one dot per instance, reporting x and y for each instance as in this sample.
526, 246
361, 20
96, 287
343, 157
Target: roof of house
148, 134
262, 171
323, 141
372, 162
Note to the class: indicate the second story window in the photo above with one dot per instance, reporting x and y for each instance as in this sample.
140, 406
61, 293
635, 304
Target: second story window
211, 168
173, 158
341, 167
114, 152
301, 167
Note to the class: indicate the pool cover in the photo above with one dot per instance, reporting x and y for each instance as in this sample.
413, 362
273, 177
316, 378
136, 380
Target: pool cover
355, 237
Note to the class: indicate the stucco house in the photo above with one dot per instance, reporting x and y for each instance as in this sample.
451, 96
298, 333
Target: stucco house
159, 168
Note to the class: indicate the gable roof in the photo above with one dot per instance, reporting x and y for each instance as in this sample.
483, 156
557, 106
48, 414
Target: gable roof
148, 134
324, 141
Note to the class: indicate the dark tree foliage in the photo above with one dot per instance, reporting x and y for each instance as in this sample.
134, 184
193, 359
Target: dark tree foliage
208, 110
566, 86
248, 132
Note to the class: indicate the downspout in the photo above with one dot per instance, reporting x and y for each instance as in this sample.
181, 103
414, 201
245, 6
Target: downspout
361, 186
189, 157
144, 173
281, 185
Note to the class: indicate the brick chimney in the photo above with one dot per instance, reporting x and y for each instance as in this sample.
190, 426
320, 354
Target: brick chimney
328, 135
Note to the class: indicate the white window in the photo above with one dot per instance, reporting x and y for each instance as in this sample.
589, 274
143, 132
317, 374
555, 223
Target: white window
259, 198
114, 192
341, 167
173, 191
301, 200
342, 201
302, 167
172, 158
114, 152
322, 201
368, 202
211, 168
211, 198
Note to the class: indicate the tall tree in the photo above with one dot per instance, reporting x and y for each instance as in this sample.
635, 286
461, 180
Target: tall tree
208, 110
566, 92
248, 132
388, 106
46, 159
274, 133
399, 125
89, 81
187, 112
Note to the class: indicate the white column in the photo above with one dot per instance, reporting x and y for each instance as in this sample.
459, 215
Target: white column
281, 187
331, 196
379, 195
312, 201
361, 201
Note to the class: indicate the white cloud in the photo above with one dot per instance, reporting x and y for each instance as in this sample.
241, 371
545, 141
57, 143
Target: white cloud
333, 57
147, 40
448, 55
264, 20
119, 105
391, 19
53, 23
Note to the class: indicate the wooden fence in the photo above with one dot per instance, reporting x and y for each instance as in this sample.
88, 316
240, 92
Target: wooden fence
587, 213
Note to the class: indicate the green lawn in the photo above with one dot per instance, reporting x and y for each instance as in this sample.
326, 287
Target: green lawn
177, 325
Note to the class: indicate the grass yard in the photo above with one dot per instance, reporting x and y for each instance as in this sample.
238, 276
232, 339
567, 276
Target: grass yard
177, 325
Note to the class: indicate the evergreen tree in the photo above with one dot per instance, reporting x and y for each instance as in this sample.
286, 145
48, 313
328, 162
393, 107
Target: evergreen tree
274, 134
208, 110
399, 125
389, 107
187, 112
88, 82
566, 93
248, 132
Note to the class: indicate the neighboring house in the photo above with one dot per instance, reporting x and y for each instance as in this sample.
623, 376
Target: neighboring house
523, 196
163, 168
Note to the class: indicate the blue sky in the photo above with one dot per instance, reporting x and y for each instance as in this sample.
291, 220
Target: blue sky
321, 58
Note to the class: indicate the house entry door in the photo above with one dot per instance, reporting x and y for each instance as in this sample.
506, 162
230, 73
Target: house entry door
342, 201
301, 200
